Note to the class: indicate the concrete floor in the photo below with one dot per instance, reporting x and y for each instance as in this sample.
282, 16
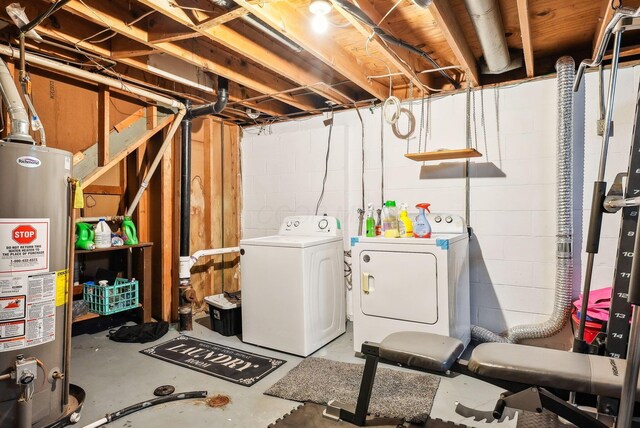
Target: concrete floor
115, 375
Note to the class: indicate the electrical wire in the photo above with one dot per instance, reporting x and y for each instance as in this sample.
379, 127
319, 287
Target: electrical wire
326, 166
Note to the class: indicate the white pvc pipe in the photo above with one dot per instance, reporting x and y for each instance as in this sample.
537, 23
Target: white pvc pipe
97, 423
94, 77
17, 113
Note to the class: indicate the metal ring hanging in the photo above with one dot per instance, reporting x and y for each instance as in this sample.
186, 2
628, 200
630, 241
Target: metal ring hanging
412, 124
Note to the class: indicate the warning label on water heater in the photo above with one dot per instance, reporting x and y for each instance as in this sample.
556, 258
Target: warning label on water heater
27, 310
24, 245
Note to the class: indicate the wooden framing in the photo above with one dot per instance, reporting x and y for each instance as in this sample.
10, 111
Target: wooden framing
236, 41
448, 24
525, 31
107, 14
290, 23
390, 55
103, 125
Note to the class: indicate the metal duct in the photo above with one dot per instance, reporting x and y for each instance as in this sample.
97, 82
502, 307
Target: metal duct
486, 18
565, 67
17, 113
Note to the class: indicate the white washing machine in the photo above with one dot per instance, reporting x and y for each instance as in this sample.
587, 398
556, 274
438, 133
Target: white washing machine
412, 284
293, 293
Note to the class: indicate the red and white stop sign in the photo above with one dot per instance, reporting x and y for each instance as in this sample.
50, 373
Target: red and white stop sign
24, 234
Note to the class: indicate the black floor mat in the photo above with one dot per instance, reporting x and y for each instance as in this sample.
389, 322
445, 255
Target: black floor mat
237, 366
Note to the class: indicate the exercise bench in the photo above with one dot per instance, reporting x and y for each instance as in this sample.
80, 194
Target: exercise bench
523, 371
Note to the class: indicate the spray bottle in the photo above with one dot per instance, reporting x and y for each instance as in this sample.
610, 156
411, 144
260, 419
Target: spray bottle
84, 237
129, 232
379, 222
404, 222
421, 227
371, 222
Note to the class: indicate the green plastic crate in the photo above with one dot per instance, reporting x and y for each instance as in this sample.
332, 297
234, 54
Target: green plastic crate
107, 300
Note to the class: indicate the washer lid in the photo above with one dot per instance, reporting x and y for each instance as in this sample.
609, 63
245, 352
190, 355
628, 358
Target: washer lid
288, 241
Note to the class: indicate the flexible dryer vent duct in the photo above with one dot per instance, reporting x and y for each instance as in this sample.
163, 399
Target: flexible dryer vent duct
486, 18
564, 225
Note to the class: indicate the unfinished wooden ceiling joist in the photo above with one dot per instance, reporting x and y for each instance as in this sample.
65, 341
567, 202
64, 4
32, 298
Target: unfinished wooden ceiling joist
279, 68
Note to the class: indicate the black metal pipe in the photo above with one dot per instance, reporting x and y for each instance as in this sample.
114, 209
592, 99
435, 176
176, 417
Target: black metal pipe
38, 19
185, 183
216, 107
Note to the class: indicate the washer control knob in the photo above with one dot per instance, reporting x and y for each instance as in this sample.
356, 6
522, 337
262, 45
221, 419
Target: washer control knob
289, 224
296, 223
448, 219
438, 219
323, 224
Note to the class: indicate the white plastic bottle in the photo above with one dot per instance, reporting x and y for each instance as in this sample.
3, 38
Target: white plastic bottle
103, 234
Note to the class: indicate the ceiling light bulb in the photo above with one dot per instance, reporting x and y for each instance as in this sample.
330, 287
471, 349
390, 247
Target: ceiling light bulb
320, 7
319, 23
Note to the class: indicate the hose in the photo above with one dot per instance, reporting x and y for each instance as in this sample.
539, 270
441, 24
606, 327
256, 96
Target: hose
395, 103
110, 417
412, 125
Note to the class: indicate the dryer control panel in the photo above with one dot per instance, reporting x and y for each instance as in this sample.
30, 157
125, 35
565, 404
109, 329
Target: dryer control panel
446, 223
310, 225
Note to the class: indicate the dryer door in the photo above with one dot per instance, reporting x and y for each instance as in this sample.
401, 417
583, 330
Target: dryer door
399, 285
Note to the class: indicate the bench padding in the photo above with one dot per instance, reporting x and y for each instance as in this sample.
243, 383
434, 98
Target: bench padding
593, 374
426, 351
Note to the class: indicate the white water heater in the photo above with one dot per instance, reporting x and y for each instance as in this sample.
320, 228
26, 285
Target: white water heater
34, 249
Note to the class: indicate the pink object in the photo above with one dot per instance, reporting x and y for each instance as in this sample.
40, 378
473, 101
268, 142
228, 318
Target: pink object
598, 304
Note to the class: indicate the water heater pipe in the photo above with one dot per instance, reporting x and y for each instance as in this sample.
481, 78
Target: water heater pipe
17, 113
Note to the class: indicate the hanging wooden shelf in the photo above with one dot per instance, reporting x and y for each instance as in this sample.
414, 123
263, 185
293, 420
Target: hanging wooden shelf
444, 154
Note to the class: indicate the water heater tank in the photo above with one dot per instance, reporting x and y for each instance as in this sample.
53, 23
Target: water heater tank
34, 248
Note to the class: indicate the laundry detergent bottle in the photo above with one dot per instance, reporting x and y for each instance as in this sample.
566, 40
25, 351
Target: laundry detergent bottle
421, 227
390, 220
84, 237
129, 232
102, 234
404, 223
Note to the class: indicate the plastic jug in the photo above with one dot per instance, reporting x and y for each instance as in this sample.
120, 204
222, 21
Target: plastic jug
84, 237
371, 222
390, 220
421, 227
404, 223
129, 231
102, 234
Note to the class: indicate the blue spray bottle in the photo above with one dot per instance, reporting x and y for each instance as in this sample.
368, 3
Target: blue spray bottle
421, 227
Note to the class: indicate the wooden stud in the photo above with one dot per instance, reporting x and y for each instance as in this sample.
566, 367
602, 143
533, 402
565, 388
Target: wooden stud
98, 189
104, 103
163, 295
124, 153
525, 31
127, 122
223, 19
448, 24
231, 193
329, 51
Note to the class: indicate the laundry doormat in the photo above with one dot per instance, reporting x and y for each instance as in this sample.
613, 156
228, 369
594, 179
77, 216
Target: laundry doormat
396, 394
237, 366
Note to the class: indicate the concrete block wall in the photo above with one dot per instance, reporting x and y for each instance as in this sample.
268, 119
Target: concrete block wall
512, 198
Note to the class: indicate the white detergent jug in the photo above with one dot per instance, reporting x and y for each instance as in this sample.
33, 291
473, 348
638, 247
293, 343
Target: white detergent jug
103, 234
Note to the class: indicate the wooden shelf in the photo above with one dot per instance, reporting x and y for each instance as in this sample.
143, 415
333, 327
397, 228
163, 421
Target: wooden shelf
122, 247
91, 315
444, 154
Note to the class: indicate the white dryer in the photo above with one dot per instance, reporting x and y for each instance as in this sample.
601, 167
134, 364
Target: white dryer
293, 293
412, 284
